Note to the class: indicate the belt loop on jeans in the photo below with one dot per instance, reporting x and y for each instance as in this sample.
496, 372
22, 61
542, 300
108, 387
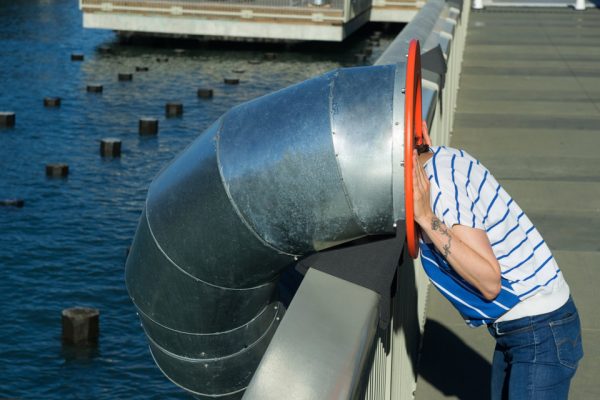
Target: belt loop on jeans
495, 325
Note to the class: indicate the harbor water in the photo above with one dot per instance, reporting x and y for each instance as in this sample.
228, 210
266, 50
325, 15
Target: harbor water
67, 246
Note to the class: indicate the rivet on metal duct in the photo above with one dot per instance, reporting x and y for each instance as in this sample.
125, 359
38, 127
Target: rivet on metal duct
148, 126
141, 69
270, 56
205, 93
94, 88
231, 81
51, 101
125, 77
110, 147
77, 57
80, 325
19, 203
57, 170
7, 119
174, 109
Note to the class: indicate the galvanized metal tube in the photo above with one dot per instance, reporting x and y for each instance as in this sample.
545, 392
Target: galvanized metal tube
284, 175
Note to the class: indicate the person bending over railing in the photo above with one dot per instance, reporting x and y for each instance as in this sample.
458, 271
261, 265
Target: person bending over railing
487, 258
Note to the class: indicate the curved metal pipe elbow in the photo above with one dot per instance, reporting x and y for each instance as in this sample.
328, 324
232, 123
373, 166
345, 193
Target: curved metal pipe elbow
282, 176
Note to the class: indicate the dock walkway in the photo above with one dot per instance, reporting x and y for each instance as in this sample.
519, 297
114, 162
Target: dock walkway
529, 109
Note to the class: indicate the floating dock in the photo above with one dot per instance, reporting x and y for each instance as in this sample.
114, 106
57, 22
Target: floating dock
320, 20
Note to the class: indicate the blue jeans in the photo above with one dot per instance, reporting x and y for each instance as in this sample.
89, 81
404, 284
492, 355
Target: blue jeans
536, 357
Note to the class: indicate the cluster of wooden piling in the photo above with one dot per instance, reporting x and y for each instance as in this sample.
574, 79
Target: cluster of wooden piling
81, 325
147, 126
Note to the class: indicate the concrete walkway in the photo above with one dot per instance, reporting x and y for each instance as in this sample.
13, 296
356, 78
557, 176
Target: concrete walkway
529, 109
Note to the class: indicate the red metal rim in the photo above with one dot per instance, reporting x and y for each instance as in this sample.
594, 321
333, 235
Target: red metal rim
413, 133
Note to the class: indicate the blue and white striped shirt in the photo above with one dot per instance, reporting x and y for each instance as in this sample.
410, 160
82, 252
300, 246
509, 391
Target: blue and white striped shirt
464, 192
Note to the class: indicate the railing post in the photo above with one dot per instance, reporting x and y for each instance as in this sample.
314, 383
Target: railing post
347, 4
478, 4
580, 5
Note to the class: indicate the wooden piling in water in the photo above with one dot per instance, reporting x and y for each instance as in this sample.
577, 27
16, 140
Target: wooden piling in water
7, 119
110, 147
80, 325
205, 93
148, 126
52, 101
57, 170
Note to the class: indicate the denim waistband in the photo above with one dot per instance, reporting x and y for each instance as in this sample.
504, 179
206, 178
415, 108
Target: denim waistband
521, 324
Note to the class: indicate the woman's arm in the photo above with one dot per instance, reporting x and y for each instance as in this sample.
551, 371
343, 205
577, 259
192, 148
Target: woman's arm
467, 249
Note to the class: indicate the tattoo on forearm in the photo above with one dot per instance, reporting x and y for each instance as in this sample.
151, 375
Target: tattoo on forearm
437, 225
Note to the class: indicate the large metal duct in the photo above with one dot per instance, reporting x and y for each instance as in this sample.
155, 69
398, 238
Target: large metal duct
282, 176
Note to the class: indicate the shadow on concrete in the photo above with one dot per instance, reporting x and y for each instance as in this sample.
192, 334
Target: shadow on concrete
407, 316
460, 372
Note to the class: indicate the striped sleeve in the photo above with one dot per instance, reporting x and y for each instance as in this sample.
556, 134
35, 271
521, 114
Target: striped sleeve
461, 184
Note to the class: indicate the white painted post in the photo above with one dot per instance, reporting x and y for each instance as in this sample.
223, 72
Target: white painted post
580, 5
478, 4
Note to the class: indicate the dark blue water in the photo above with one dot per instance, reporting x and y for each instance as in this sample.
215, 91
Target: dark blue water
67, 246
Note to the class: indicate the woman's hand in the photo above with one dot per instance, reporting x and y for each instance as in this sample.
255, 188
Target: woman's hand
421, 192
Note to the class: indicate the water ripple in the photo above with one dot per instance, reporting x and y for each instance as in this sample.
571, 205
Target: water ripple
67, 246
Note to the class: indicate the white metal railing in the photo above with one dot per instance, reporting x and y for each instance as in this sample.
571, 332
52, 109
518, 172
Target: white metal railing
578, 5
398, 3
393, 372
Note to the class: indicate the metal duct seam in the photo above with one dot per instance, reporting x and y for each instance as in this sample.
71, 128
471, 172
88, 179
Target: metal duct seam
279, 161
207, 345
187, 389
398, 142
204, 360
336, 148
233, 203
193, 276
363, 122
